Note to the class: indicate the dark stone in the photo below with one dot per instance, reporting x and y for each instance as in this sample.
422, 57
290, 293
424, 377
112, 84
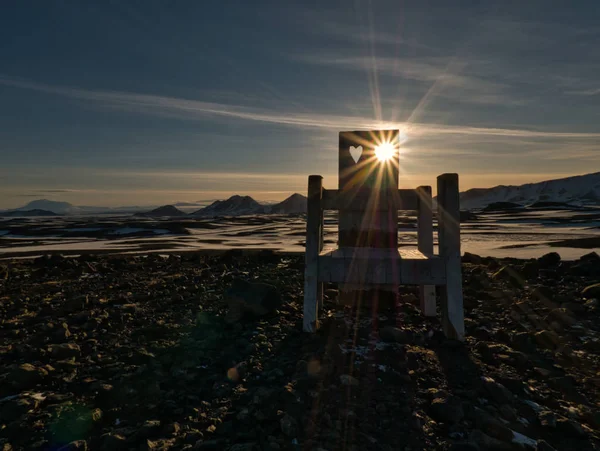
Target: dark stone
592, 257
498, 392
112, 442
522, 341
447, 410
485, 442
546, 339
472, 258
543, 445
511, 275
490, 425
392, 334
12, 409
65, 350
26, 376
256, 299
549, 260
570, 428
77, 445
543, 294
591, 291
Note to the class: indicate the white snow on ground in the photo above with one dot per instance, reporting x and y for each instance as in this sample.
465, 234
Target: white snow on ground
484, 237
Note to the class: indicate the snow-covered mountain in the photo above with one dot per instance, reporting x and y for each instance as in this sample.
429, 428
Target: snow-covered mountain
294, 204
234, 206
61, 208
577, 190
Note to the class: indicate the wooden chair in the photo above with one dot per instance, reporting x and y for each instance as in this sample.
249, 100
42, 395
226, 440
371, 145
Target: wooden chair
368, 200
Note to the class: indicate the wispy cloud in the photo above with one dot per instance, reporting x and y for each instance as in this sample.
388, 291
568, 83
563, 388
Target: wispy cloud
189, 109
586, 92
444, 71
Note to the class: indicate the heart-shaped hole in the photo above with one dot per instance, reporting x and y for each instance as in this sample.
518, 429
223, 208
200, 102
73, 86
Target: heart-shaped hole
356, 152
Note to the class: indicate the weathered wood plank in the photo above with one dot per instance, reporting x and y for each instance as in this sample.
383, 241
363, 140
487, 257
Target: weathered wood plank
367, 189
376, 266
449, 243
313, 244
425, 245
399, 199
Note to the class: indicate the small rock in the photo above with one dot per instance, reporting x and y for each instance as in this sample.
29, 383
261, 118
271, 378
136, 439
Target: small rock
242, 447
574, 307
561, 315
172, 428
591, 291
447, 410
257, 299
570, 428
27, 376
490, 425
543, 294
473, 259
547, 419
485, 442
548, 260
543, 445
289, 426
547, 339
346, 379
13, 409
592, 257
77, 445
148, 429
508, 412
497, 391
522, 342
509, 274
112, 442
65, 350
392, 334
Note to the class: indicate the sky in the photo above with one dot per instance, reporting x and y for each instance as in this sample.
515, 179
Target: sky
151, 102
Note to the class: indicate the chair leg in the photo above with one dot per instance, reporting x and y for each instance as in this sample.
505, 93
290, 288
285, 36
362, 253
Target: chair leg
427, 300
312, 294
449, 240
425, 245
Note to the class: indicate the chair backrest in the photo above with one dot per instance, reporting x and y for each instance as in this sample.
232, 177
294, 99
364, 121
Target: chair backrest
369, 217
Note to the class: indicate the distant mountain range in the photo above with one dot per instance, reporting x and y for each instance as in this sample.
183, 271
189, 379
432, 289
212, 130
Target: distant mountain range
295, 204
245, 205
166, 210
577, 190
27, 213
59, 208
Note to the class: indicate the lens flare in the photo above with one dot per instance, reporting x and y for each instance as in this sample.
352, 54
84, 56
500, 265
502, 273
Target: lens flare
384, 151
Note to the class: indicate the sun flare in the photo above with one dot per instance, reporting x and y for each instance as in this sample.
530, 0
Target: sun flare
384, 151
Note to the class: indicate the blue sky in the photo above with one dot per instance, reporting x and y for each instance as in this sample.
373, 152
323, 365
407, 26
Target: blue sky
150, 102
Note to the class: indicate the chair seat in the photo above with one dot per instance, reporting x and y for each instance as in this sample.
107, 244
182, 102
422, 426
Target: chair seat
366, 265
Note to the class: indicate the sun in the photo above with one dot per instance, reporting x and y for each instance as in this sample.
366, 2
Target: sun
385, 151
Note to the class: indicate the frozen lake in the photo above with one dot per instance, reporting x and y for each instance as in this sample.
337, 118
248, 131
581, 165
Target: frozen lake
521, 235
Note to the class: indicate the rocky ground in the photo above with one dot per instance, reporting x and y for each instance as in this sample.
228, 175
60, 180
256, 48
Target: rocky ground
109, 353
